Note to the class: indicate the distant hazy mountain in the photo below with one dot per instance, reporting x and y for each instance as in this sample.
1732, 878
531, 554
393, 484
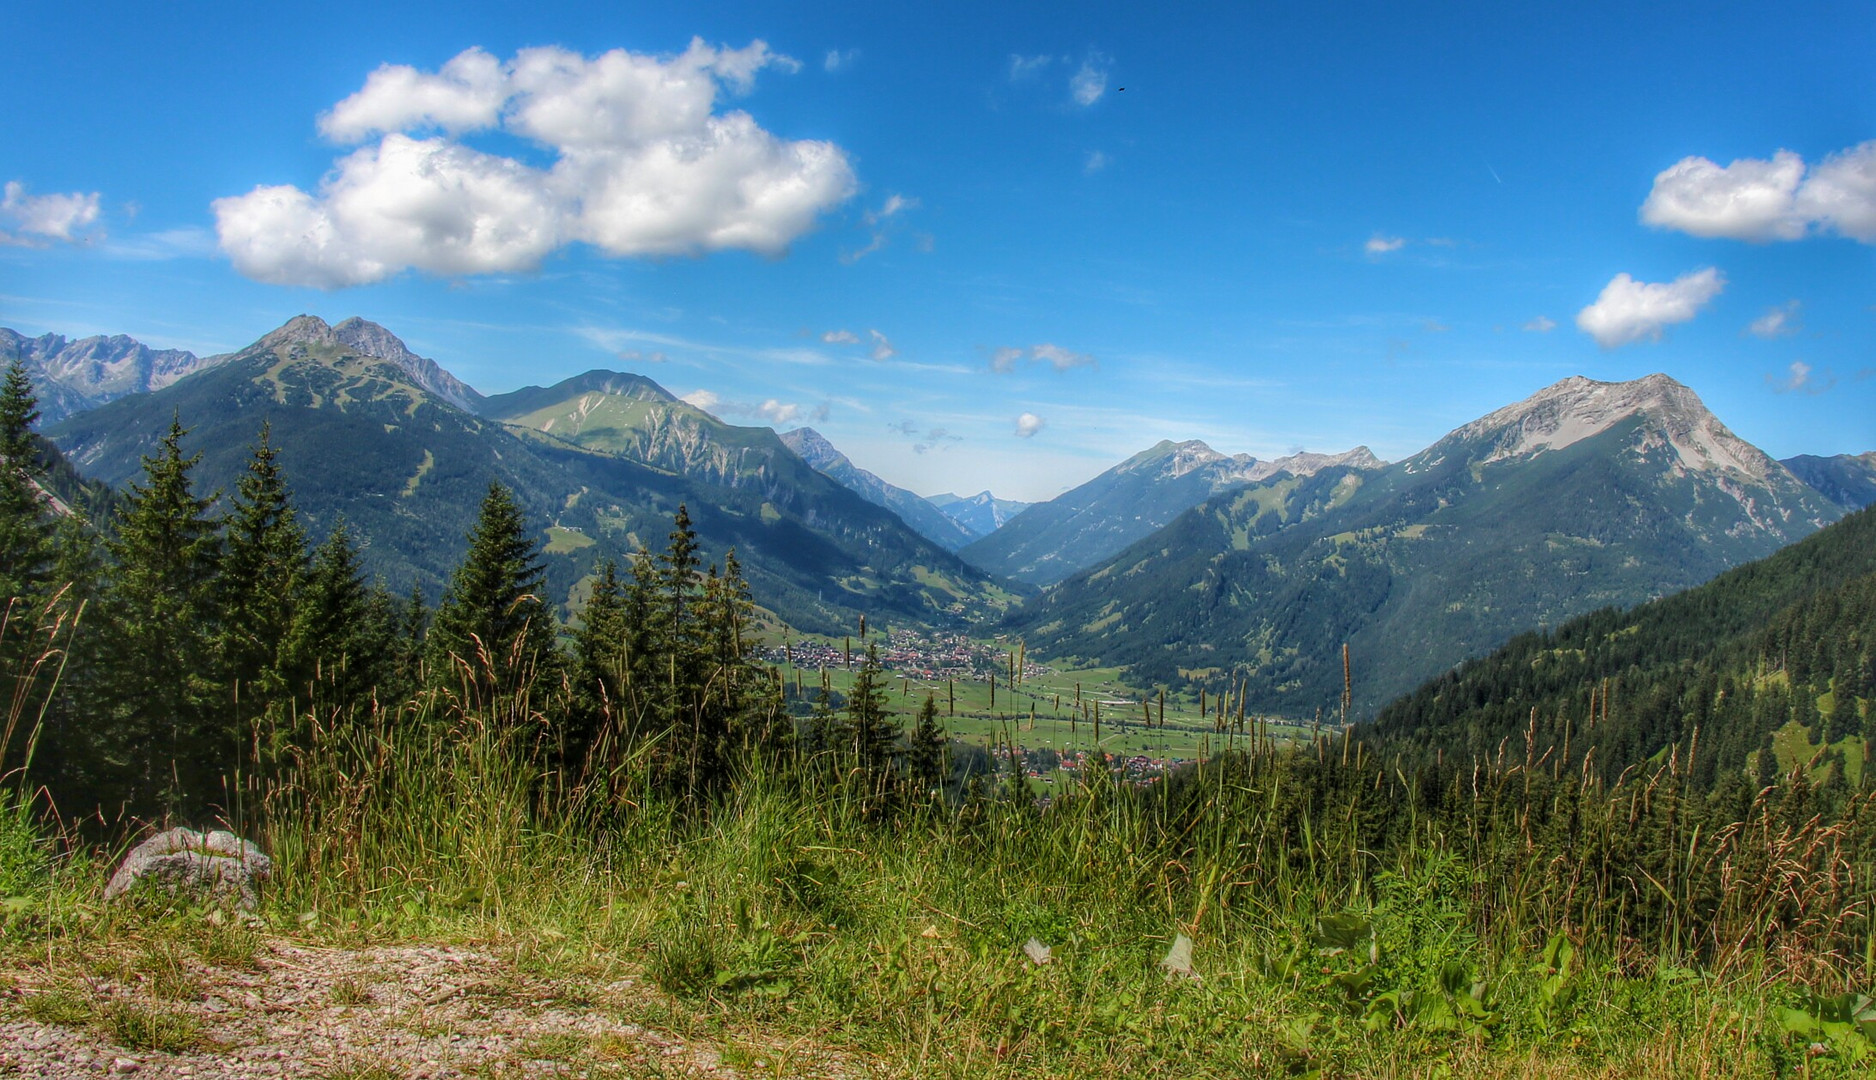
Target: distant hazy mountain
927, 520
981, 514
600, 462
1849, 480
1584, 495
1079, 528
72, 376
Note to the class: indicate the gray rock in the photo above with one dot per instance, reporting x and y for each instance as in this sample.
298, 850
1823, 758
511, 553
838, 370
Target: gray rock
217, 866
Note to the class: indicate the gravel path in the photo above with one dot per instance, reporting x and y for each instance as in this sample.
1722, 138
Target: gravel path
295, 1011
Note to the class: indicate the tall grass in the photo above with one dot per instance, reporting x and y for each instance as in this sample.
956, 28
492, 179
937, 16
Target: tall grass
1343, 918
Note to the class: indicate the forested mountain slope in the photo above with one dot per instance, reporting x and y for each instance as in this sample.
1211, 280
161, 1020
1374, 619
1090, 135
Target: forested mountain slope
1787, 638
1583, 496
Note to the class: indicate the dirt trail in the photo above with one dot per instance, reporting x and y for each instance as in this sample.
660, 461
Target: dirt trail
301, 1012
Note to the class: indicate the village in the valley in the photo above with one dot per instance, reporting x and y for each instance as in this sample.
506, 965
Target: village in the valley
993, 695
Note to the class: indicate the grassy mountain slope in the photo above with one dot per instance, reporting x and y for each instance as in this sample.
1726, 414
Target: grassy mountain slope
797, 508
1555, 507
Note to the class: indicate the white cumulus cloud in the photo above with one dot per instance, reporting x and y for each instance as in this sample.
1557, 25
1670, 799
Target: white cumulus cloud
840, 337
46, 217
1541, 325
643, 164
1628, 311
1381, 245
1758, 200
1781, 321
1028, 424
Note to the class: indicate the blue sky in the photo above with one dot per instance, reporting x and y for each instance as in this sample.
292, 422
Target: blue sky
946, 237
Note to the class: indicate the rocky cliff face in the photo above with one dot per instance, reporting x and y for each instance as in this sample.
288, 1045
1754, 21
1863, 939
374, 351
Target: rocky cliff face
71, 376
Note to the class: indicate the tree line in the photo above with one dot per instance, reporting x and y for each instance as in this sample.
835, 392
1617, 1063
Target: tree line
156, 657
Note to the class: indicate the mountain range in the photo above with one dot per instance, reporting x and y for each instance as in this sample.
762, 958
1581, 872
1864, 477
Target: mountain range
1188, 567
71, 376
379, 437
981, 514
1585, 495
928, 520
1849, 480
1077, 529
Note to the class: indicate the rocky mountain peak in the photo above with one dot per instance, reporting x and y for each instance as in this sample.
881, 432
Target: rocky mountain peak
369, 339
300, 330
812, 447
1174, 459
1307, 463
1579, 408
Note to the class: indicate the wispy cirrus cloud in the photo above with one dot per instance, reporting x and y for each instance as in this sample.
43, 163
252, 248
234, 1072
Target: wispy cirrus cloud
1801, 378
1380, 244
882, 223
1089, 81
1777, 322
1006, 360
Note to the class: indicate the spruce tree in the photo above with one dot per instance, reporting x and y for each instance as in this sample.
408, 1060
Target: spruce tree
600, 665
26, 522
262, 567
870, 734
27, 619
925, 752
341, 645
171, 735
493, 628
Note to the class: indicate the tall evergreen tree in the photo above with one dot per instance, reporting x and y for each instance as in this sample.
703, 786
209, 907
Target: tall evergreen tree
601, 665
26, 523
170, 734
262, 568
341, 647
870, 733
493, 625
925, 751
